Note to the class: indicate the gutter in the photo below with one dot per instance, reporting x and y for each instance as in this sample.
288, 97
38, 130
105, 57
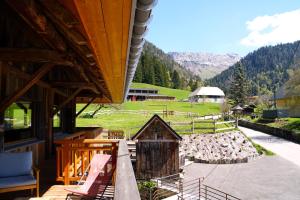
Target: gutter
142, 17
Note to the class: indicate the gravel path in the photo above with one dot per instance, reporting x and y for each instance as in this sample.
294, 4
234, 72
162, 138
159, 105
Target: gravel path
284, 148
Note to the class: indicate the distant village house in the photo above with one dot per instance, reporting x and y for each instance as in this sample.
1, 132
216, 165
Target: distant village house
287, 105
142, 94
207, 94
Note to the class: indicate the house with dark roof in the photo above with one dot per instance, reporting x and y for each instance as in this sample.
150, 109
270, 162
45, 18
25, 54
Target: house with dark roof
142, 94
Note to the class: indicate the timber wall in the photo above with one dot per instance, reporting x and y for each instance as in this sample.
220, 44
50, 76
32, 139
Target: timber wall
157, 159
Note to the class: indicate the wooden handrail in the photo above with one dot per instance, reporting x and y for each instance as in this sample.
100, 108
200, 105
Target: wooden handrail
88, 141
84, 134
125, 184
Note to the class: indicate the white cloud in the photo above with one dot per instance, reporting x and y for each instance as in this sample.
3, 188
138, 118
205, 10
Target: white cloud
270, 30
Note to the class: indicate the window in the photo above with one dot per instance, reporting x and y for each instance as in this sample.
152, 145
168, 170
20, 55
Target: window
17, 116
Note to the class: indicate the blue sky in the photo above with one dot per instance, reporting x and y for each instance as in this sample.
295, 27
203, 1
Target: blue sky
223, 26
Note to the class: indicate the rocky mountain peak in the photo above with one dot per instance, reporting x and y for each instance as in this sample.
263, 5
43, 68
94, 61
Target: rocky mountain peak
206, 65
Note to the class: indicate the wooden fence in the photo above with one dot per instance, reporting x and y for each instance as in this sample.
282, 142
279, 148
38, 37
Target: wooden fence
160, 112
194, 125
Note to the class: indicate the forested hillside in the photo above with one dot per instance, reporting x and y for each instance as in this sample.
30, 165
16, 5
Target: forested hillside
266, 68
158, 68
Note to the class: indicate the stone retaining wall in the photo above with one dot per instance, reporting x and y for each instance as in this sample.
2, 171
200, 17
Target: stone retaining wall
220, 148
286, 134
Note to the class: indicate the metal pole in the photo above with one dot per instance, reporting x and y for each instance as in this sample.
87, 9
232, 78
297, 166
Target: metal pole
214, 126
181, 188
199, 188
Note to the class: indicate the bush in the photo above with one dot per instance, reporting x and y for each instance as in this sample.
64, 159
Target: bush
86, 115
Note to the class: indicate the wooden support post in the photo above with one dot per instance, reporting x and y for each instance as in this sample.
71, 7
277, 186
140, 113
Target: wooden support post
67, 100
3, 79
1, 133
48, 101
91, 101
68, 117
35, 77
66, 163
114, 155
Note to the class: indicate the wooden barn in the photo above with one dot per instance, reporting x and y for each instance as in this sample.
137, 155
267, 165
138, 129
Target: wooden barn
157, 149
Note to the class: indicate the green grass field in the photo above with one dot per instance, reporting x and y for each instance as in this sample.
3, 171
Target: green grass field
179, 94
123, 117
131, 116
292, 124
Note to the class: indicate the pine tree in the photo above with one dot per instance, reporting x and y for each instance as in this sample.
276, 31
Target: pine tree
138, 77
191, 83
176, 80
148, 69
238, 87
158, 73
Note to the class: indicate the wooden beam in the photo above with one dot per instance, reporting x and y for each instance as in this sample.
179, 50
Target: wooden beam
54, 11
91, 101
33, 55
31, 13
34, 79
67, 100
59, 15
27, 77
20, 105
71, 84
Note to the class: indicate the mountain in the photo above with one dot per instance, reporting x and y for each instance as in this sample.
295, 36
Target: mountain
266, 69
206, 65
166, 59
158, 68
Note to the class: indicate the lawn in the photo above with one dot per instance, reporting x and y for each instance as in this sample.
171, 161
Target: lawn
287, 123
122, 117
179, 94
200, 108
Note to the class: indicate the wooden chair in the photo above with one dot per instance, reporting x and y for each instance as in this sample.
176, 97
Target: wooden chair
16, 172
98, 178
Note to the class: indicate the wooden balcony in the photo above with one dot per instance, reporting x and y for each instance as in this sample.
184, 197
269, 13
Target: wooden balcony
73, 155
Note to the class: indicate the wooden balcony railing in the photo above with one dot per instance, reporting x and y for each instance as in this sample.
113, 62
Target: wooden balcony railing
85, 134
74, 156
125, 183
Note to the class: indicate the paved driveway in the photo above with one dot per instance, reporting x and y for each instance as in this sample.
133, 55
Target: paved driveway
284, 148
266, 178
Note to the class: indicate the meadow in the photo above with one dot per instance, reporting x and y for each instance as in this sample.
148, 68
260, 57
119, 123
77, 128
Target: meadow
131, 116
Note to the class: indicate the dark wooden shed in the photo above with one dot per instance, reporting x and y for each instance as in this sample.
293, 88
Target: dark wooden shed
157, 149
